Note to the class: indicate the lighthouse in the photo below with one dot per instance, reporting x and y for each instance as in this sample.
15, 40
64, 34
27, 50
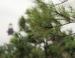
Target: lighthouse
10, 30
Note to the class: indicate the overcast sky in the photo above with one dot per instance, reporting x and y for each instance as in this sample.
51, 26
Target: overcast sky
10, 12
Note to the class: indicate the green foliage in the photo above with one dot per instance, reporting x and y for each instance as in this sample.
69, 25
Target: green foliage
37, 53
22, 23
53, 51
22, 46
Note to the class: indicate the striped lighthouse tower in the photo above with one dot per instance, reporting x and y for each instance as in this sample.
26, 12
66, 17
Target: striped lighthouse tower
10, 29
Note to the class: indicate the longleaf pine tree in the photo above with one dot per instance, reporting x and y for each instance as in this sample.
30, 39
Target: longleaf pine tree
42, 36
45, 21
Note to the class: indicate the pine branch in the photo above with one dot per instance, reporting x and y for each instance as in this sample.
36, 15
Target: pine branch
62, 2
62, 15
